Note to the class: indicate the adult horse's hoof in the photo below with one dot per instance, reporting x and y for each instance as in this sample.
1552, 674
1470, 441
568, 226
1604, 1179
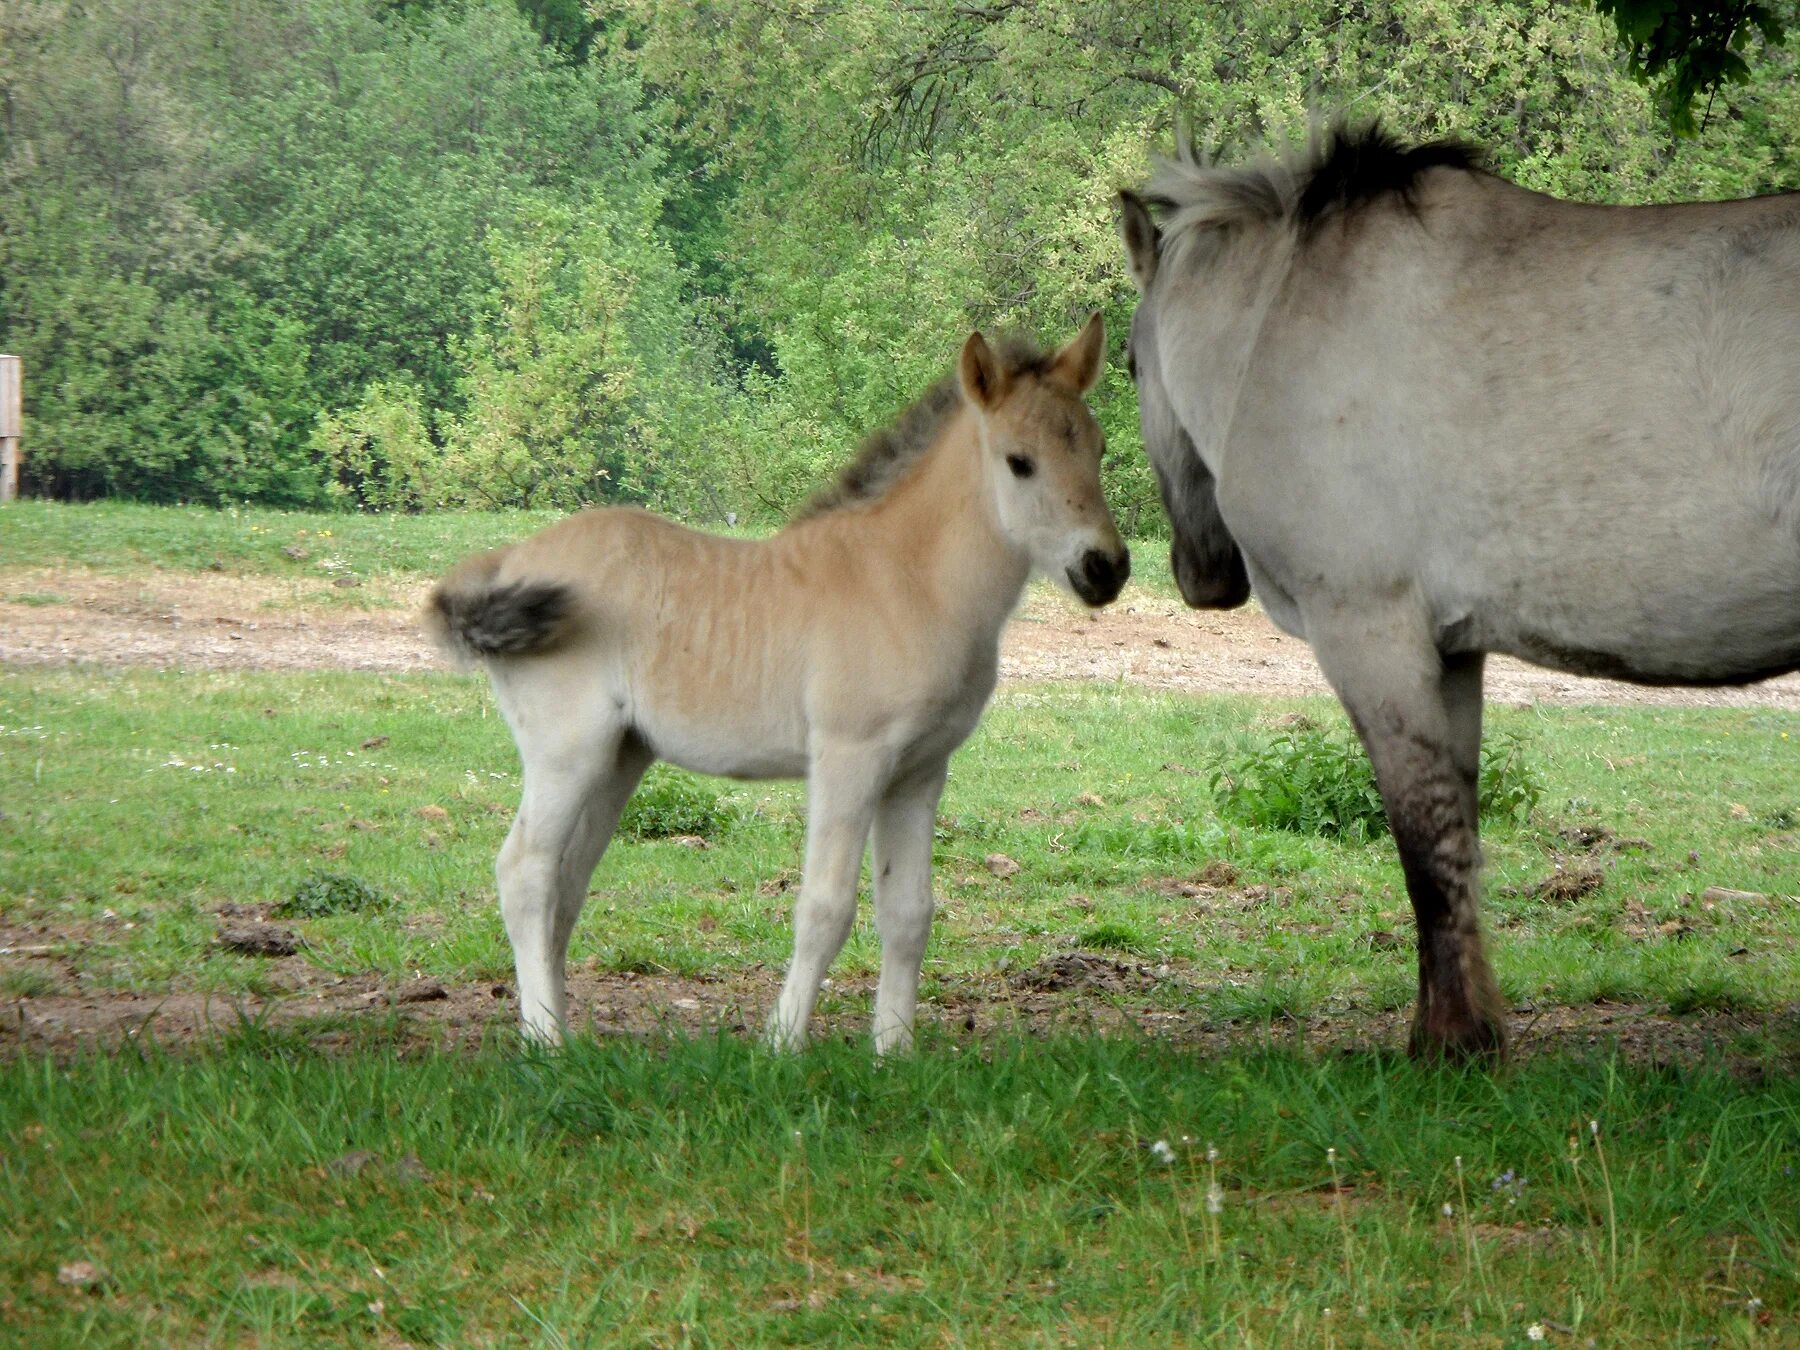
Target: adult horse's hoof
1465, 1040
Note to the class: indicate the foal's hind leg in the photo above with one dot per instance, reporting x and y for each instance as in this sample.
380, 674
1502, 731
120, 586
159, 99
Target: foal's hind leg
901, 867
575, 791
1421, 722
843, 784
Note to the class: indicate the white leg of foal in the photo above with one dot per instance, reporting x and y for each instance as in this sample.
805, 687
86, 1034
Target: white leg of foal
842, 786
901, 868
571, 807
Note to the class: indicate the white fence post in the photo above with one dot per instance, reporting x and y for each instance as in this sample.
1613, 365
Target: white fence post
12, 422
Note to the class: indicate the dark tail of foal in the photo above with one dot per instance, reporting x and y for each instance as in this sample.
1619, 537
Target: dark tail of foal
475, 618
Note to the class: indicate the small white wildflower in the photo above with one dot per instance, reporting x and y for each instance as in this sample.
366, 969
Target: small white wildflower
1449, 1209
1534, 1332
1594, 1128
1331, 1155
1212, 1154
1752, 1304
1459, 1162
1215, 1199
1161, 1151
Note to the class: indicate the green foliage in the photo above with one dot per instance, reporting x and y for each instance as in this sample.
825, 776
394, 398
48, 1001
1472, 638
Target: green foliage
1306, 780
901, 174
402, 254
1510, 788
322, 894
1693, 47
670, 803
135, 392
1312, 781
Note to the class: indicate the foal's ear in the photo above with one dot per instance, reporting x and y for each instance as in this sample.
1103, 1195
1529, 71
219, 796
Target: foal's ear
984, 381
1143, 241
1077, 365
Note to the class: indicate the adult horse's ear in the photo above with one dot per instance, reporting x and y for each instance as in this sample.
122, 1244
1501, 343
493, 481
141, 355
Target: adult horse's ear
1077, 365
983, 378
1143, 241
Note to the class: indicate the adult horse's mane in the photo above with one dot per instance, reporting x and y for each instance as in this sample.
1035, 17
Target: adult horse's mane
885, 455
1345, 169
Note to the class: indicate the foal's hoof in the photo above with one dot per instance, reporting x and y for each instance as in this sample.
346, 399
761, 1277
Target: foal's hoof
1464, 1040
781, 1039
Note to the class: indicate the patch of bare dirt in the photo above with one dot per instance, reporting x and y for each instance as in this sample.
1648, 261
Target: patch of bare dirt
1075, 992
204, 620
1158, 643
208, 621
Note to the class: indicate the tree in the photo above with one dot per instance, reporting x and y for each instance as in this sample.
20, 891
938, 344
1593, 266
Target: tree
1693, 47
900, 174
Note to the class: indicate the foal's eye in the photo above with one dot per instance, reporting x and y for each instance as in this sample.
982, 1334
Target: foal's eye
1020, 466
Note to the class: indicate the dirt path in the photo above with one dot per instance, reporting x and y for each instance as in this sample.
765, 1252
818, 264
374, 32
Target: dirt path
1069, 993
201, 620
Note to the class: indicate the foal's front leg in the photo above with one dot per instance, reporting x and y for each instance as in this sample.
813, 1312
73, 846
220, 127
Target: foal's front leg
901, 868
843, 785
1420, 719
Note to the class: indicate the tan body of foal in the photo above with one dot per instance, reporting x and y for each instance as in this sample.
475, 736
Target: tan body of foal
856, 648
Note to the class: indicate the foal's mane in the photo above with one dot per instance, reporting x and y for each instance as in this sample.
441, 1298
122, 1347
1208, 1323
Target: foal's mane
885, 455
1346, 168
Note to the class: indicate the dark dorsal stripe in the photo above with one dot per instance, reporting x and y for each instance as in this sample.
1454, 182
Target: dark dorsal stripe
1346, 169
1362, 165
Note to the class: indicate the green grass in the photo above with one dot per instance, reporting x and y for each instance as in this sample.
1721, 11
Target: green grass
989, 1190
703, 1192
124, 536
137, 803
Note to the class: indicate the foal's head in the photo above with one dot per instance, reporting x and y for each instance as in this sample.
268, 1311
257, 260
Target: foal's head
1041, 450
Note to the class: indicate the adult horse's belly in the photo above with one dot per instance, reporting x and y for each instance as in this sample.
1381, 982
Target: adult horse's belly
1283, 612
1736, 640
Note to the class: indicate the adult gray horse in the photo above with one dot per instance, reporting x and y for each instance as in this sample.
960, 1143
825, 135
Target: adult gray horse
1432, 415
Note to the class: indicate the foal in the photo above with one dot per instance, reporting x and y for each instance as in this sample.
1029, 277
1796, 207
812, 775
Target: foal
856, 647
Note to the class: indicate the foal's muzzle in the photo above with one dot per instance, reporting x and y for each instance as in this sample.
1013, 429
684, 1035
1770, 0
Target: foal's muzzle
1100, 576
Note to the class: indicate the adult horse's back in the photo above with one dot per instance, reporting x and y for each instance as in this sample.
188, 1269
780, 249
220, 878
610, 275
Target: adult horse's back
1430, 415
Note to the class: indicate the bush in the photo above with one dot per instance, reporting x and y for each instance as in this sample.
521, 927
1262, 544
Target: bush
1311, 781
325, 893
671, 803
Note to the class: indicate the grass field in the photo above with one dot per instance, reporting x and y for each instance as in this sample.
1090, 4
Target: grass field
144, 801
123, 536
702, 1192
323, 1177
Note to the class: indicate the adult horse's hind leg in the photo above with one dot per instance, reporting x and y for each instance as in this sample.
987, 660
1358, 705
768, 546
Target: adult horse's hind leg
575, 791
1421, 722
901, 867
843, 785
